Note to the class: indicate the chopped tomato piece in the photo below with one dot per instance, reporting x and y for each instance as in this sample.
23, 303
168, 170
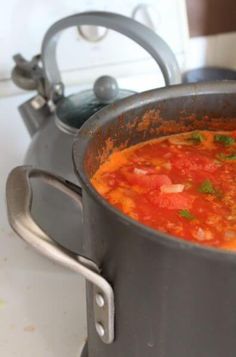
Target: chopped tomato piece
180, 200
234, 134
146, 180
194, 163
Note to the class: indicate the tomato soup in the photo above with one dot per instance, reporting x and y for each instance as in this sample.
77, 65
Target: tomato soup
183, 185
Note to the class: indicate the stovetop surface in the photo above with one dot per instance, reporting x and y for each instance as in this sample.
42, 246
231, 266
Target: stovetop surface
42, 305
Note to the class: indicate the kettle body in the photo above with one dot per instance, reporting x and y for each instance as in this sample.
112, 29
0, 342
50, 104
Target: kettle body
51, 148
53, 131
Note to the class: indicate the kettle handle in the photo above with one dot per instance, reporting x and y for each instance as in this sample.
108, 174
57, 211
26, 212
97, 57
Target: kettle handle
141, 34
19, 199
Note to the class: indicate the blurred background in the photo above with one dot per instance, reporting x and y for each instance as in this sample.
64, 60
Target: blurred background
201, 34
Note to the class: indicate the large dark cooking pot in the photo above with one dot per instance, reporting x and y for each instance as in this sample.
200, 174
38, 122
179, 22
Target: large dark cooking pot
166, 297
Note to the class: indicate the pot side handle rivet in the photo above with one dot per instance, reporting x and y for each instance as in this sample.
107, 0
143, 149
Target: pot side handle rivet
100, 329
100, 300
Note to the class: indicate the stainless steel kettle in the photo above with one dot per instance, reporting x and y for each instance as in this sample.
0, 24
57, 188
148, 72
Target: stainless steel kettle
53, 120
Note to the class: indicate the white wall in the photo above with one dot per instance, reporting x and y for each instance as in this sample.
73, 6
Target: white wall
23, 24
217, 50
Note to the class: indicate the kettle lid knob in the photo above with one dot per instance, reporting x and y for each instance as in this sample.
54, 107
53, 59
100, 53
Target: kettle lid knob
106, 89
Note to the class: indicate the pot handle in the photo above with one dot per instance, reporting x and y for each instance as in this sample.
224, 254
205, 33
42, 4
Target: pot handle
141, 34
19, 199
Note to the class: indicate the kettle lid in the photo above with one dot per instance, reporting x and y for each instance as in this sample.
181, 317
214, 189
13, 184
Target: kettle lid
74, 110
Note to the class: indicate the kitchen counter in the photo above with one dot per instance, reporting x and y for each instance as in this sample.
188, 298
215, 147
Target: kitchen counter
42, 305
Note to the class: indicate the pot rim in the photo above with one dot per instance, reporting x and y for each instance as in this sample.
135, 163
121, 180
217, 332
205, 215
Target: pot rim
134, 102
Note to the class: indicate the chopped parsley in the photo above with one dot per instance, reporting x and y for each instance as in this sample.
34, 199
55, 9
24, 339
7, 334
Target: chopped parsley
224, 139
197, 137
231, 156
186, 214
207, 187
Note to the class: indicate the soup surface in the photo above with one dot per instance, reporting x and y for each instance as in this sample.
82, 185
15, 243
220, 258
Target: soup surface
184, 185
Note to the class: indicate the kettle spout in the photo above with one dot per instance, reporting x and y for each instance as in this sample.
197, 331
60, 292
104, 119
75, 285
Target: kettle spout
35, 113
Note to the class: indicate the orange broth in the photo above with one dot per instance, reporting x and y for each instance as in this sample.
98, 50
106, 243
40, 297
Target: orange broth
184, 185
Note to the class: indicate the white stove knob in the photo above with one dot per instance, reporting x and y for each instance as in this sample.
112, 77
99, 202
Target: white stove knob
92, 33
148, 15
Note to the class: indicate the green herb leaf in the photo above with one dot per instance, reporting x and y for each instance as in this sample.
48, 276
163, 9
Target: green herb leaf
224, 139
207, 187
186, 214
198, 137
231, 156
